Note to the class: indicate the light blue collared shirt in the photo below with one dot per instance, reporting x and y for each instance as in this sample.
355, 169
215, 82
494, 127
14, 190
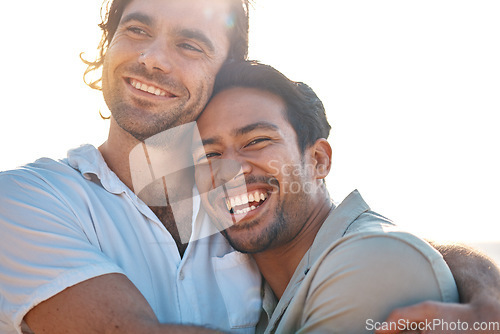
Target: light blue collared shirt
63, 222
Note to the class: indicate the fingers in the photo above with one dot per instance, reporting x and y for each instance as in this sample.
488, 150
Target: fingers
427, 317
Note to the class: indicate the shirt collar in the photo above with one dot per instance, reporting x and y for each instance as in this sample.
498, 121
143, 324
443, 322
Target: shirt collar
89, 162
336, 224
333, 228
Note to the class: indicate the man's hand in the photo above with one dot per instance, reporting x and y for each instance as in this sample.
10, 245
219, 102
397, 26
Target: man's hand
445, 318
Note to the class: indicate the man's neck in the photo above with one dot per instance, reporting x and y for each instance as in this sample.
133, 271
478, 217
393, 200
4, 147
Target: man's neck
116, 151
173, 225
278, 264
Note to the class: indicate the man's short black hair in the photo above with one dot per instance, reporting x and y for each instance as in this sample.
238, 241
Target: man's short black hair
304, 110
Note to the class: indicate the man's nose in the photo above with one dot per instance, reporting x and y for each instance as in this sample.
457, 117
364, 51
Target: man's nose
234, 165
157, 56
228, 172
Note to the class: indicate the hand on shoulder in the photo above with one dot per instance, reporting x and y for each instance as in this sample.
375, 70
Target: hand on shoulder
479, 316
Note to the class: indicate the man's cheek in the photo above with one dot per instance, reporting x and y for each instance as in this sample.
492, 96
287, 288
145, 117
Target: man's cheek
205, 180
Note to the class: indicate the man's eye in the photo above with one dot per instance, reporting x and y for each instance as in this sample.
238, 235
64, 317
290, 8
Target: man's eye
207, 156
212, 155
137, 31
190, 47
256, 141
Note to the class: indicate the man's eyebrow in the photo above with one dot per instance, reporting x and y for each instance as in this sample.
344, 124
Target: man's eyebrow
197, 35
238, 132
255, 126
140, 17
209, 141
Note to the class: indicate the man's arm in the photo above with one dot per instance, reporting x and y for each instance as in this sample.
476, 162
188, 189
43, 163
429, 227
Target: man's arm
53, 277
478, 282
476, 275
106, 304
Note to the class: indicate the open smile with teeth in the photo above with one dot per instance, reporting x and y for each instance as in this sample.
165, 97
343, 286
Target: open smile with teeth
149, 89
246, 202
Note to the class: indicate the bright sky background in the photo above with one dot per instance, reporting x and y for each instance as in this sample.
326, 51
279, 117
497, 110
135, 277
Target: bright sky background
412, 90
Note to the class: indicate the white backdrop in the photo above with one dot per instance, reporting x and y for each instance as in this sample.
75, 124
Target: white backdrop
411, 89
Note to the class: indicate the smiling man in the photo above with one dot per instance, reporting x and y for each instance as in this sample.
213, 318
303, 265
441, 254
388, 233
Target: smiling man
261, 165
87, 248
81, 251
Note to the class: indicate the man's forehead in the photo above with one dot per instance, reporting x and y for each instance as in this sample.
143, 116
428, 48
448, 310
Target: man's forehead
244, 129
201, 20
235, 115
189, 10
247, 102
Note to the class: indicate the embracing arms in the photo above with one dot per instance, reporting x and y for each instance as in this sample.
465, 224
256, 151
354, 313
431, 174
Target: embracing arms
106, 304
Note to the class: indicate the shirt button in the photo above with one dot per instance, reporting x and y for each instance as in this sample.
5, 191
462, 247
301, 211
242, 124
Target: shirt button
181, 276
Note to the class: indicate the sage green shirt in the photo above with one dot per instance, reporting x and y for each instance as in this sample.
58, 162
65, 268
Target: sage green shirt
359, 268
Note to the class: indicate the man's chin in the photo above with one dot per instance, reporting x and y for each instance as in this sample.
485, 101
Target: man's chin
243, 240
147, 130
247, 248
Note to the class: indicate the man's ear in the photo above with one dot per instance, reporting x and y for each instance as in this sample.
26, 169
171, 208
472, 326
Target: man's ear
322, 157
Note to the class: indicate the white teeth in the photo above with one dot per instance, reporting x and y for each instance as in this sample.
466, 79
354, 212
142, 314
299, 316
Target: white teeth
150, 89
243, 199
245, 210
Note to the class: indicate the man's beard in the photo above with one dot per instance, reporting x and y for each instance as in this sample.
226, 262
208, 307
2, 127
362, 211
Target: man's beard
126, 117
277, 232
264, 240
133, 119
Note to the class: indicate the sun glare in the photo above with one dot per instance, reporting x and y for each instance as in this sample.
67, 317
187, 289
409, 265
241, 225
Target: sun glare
411, 89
